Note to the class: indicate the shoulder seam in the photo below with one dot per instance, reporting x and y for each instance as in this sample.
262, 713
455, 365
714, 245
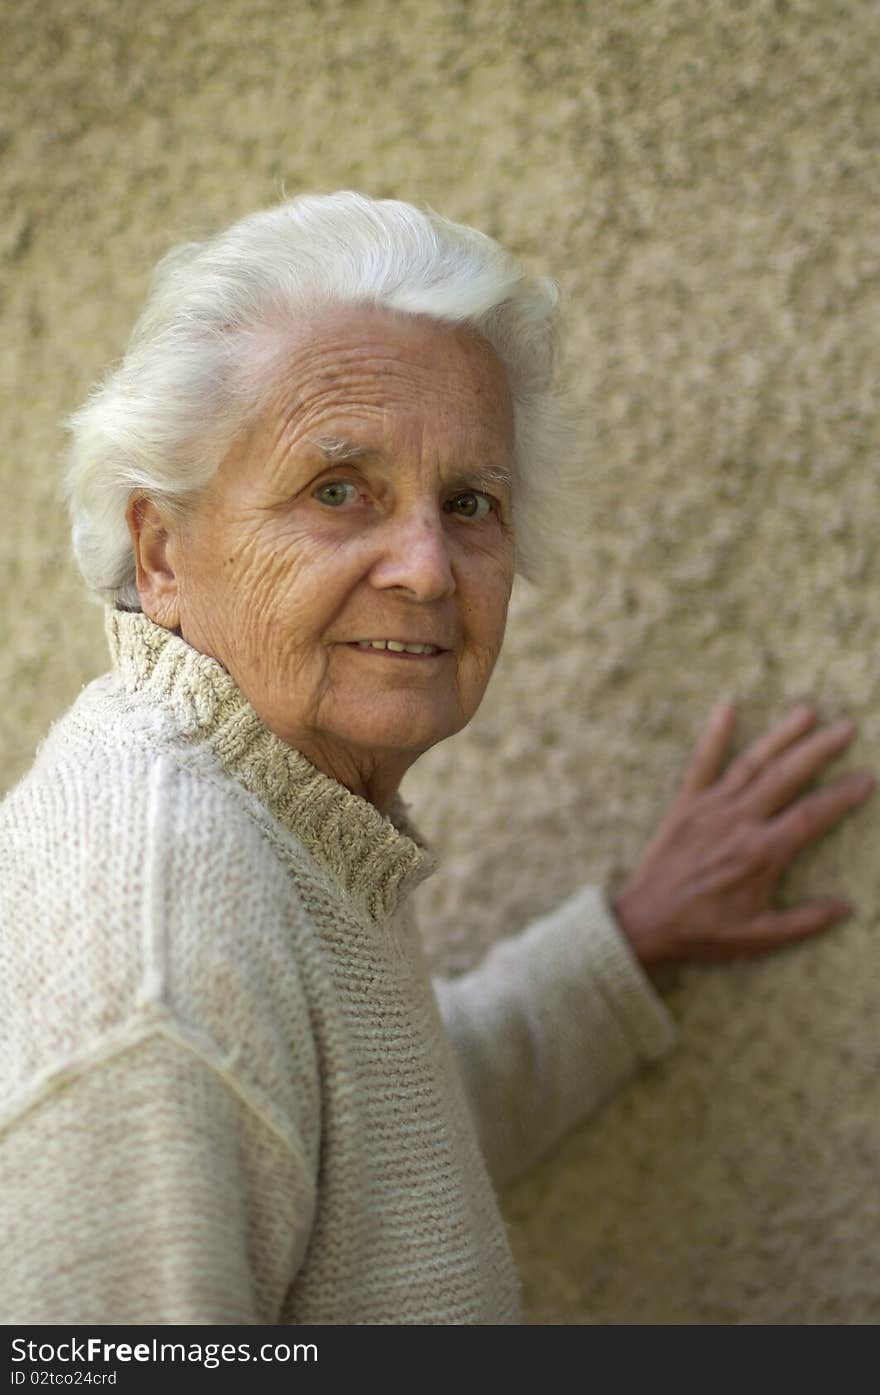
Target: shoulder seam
158, 1023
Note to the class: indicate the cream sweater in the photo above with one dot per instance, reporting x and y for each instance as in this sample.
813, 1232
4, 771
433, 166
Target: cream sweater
227, 1095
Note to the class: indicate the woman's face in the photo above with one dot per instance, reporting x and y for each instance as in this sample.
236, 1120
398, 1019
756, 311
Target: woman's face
369, 508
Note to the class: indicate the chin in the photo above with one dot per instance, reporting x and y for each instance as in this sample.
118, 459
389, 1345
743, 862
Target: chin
393, 742
395, 735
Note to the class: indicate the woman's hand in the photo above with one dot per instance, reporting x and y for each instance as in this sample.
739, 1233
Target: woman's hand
704, 888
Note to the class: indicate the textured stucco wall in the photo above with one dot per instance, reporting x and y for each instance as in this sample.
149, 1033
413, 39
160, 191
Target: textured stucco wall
702, 178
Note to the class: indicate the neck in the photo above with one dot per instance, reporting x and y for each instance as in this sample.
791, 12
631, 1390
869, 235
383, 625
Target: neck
371, 775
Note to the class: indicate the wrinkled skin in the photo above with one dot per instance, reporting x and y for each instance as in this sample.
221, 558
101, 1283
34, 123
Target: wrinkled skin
372, 500
705, 886
300, 547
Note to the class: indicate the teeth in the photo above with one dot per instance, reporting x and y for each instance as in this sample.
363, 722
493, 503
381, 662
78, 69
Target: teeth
396, 647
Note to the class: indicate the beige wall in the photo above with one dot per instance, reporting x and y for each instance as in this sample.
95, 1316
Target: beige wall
702, 178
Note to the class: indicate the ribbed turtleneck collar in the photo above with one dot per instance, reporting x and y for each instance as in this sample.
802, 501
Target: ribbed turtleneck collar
375, 859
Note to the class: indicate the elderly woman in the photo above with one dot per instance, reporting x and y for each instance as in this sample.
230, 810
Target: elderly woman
231, 1094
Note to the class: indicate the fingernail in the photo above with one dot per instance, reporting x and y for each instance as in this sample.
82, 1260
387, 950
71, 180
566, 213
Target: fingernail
842, 730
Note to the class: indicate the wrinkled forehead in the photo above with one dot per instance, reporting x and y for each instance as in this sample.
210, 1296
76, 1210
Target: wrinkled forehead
386, 371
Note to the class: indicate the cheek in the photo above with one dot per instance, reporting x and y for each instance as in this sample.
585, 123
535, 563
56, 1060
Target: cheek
294, 587
252, 580
486, 614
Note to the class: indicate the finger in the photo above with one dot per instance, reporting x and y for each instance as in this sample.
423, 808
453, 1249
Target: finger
816, 813
785, 777
774, 929
755, 757
711, 747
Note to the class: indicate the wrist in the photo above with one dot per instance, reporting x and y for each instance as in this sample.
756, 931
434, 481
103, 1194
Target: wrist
639, 923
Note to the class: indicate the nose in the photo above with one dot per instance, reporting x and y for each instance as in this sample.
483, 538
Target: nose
415, 556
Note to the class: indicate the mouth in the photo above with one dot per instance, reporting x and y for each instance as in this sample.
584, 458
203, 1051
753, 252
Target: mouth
399, 648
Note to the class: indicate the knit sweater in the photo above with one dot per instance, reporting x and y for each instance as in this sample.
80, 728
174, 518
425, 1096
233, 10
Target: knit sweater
228, 1095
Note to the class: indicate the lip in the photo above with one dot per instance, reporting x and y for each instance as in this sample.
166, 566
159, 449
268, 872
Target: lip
362, 646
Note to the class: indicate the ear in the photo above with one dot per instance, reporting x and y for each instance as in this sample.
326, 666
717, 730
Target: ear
155, 576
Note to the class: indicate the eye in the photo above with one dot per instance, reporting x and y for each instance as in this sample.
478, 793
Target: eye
335, 493
471, 503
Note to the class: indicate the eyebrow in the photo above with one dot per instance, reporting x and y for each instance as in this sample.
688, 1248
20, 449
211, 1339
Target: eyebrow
338, 451
491, 474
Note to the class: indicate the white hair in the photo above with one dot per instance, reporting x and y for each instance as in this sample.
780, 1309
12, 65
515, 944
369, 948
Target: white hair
163, 420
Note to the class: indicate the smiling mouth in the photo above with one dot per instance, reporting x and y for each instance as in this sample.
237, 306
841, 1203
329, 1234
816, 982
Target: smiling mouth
399, 647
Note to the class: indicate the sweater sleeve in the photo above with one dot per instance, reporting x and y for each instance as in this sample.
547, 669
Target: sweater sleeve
548, 1026
138, 1188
